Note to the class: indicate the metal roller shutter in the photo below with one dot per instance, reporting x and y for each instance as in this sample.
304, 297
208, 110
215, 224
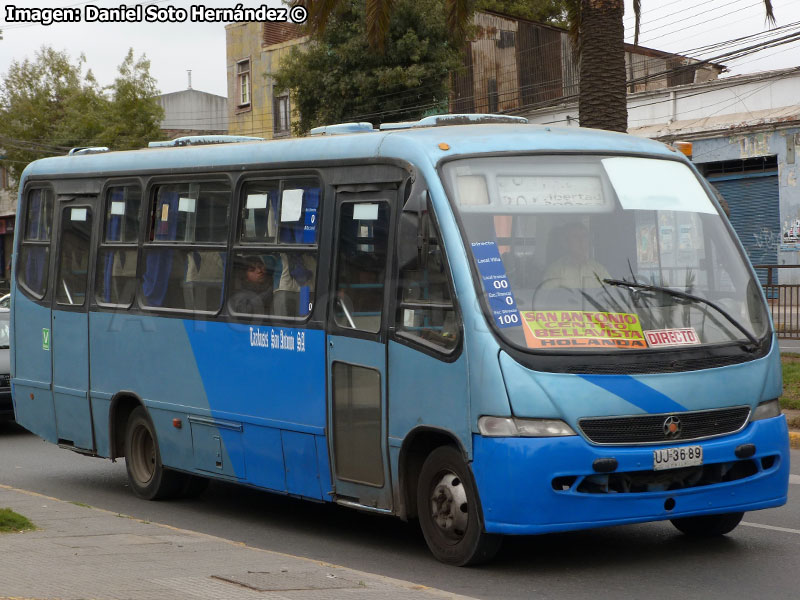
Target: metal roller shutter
755, 214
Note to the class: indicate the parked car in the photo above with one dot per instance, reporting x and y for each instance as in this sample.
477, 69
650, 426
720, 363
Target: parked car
5, 302
6, 406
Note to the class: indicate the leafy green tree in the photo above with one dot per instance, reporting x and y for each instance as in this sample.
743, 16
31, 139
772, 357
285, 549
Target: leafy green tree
597, 31
338, 78
47, 106
553, 12
52, 103
133, 114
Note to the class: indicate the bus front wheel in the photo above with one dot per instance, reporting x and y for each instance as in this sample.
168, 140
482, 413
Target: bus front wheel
708, 525
147, 476
449, 514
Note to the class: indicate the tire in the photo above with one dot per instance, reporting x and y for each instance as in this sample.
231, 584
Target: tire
146, 474
449, 511
708, 525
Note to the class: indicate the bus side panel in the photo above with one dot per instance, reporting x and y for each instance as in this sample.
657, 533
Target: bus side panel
427, 391
273, 380
150, 357
33, 398
101, 406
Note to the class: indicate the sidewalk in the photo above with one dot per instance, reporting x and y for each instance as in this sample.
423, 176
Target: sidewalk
79, 552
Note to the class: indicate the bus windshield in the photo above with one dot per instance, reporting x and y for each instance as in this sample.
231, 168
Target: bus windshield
608, 253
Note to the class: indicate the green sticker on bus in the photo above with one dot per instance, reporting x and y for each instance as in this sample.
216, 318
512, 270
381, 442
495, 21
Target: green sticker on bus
45, 339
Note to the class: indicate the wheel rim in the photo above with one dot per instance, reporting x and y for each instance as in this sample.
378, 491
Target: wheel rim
449, 507
143, 455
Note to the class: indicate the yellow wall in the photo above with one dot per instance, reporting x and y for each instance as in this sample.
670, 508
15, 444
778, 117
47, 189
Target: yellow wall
244, 40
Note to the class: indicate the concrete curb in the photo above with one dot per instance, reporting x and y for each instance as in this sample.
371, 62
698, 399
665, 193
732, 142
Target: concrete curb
794, 439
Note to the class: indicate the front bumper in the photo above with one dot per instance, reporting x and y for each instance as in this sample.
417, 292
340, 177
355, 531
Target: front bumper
515, 478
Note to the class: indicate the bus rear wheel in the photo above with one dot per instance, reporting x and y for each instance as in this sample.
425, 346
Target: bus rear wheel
708, 525
449, 515
147, 476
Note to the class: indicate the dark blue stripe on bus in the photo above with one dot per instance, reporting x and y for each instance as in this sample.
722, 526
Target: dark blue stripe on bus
637, 393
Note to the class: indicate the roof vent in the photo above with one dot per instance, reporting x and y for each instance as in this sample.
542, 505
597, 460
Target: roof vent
91, 150
342, 128
464, 119
201, 140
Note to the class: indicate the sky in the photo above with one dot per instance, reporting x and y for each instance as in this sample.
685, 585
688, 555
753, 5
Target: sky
678, 26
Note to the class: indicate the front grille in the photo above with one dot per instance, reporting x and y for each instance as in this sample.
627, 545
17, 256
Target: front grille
5, 381
644, 429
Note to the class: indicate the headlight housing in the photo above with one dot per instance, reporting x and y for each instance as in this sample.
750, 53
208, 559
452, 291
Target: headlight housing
766, 410
511, 427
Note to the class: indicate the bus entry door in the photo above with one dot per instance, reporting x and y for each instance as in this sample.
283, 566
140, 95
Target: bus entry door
357, 349
70, 322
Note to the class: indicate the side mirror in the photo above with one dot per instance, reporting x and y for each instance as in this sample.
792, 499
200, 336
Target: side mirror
408, 247
412, 251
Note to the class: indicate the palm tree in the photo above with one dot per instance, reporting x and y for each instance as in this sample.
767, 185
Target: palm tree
599, 35
597, 32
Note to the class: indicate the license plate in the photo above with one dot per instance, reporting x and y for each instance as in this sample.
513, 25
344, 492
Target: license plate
674, 458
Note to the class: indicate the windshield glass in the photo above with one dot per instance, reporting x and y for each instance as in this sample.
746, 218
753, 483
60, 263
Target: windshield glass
554, 239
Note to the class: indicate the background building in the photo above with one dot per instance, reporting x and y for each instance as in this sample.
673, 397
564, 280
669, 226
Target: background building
514, 64
254, 51
192, 112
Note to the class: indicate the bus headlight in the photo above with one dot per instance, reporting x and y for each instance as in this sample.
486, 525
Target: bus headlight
510, 427
766, 410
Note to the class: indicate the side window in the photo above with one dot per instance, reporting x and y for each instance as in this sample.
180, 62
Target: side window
115, 281
361, 265
281, 114
73, 258
35, 248
425, 310
275, 257
184, 257
243, 83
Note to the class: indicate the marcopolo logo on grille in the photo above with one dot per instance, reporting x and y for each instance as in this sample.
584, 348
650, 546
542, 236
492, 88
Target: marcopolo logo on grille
672, 427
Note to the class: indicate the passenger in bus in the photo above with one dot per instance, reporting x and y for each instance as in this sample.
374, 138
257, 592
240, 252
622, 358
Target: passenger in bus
575, 268
253, 289
296, 286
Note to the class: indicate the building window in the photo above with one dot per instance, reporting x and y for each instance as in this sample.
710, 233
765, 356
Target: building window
280, 114
243, 81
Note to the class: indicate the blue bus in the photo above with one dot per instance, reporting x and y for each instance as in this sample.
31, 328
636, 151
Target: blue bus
489, 326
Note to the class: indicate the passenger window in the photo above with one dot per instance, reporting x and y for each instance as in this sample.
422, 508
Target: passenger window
192, 212
73, 266
361, 265
258, 198
278, 218
115, 280
425, 310
184, 261
35, 249
280, 214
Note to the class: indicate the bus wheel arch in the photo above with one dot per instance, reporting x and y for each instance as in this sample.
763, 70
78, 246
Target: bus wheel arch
122, 405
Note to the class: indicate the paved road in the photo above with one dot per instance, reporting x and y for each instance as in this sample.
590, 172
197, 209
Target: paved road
759, 560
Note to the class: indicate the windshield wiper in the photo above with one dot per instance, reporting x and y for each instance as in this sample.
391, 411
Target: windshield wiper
632, 285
